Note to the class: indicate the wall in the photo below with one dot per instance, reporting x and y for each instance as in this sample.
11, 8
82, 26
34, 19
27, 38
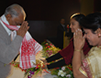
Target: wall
87, 6
49, 11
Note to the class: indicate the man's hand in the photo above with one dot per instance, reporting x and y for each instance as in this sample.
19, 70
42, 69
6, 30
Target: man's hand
23, 29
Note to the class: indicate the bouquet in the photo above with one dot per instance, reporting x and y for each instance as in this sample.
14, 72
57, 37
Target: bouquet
48, 50
31, 71
62, 72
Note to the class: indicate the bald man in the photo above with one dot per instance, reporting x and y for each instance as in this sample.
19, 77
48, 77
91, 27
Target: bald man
14, 16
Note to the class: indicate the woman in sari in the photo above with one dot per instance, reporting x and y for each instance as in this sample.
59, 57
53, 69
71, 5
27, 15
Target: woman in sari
88, 66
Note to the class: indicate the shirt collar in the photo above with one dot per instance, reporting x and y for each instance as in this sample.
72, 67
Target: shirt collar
5, 20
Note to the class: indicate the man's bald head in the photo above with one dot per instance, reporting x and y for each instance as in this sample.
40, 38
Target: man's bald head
15, 10
15, 14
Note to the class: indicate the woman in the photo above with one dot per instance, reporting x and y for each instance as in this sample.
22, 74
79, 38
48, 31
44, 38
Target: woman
88, 66
67, 53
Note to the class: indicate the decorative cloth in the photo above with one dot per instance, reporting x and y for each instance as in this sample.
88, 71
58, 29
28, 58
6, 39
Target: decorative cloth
91, 66
29, 47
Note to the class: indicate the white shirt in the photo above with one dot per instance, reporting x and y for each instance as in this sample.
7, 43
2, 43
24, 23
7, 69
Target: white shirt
4, 19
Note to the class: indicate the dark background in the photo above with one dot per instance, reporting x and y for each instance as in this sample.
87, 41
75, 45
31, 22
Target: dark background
44, 15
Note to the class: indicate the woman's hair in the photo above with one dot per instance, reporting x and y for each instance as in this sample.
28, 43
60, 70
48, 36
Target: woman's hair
92, 21
78, 17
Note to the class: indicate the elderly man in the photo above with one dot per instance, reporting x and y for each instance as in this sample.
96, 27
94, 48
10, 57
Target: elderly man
9, 47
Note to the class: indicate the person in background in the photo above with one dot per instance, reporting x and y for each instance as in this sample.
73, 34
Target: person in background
60, 33
88, 66
67, 53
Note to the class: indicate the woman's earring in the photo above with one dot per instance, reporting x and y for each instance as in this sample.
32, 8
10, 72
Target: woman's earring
99, 35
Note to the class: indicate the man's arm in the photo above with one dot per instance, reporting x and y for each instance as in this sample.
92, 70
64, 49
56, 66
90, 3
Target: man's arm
9, 51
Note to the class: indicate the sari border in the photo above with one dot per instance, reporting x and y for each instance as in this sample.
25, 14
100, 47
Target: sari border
83, 72
90, 67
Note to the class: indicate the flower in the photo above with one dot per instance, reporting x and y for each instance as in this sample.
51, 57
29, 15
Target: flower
68, 75
37, 66
49, 49
63, 68
61, 73
56, 68
31, 72
29, 76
